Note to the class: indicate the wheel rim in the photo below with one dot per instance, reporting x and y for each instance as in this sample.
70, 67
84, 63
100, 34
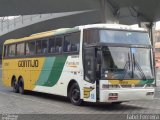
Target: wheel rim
75, 95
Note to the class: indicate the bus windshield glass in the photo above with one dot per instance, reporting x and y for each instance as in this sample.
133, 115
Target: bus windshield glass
125, 37
126, 63
116, 36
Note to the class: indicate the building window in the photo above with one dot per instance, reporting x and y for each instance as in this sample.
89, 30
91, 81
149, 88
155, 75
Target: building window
30, 48
12, 49
20, 49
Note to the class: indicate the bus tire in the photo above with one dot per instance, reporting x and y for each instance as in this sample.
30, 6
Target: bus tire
74, 95
21, 86
15, 86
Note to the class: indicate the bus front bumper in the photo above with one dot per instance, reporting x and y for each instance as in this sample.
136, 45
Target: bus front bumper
110, 95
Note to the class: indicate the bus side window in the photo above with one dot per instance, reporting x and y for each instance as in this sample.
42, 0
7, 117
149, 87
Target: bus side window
38, 46
51, 45
75, 41
5, 51
67, 44
72, 42
12, 50
20, 49
30, 48
90, 36
58, 44
86, 37
44, 46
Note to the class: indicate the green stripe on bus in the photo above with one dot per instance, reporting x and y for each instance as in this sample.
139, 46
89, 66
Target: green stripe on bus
56, 71
46, 70
148, 81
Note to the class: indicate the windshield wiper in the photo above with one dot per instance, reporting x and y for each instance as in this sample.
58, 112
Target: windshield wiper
135, 63
126, 66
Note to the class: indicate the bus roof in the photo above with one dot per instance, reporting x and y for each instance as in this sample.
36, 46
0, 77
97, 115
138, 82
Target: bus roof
74, 29
43, 35
113, 26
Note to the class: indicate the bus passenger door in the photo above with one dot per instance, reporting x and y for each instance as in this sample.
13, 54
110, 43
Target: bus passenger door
89, 87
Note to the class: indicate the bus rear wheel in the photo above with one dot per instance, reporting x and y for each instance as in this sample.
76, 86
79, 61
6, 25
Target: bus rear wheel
21, 86
74, 95
15, 86
21, 90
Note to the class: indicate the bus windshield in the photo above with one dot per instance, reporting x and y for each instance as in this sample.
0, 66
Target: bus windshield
126, 63
127, 37
116, 36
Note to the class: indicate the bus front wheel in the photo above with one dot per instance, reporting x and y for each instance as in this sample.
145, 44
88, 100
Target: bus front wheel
74, 95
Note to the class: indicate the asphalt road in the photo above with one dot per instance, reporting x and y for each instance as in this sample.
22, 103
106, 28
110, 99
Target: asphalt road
39, 104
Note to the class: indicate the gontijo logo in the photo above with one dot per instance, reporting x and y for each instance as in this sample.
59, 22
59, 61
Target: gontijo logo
72, 64
28, 63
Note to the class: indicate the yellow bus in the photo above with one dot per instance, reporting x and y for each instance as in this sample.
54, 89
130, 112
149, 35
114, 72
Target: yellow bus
95, 63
